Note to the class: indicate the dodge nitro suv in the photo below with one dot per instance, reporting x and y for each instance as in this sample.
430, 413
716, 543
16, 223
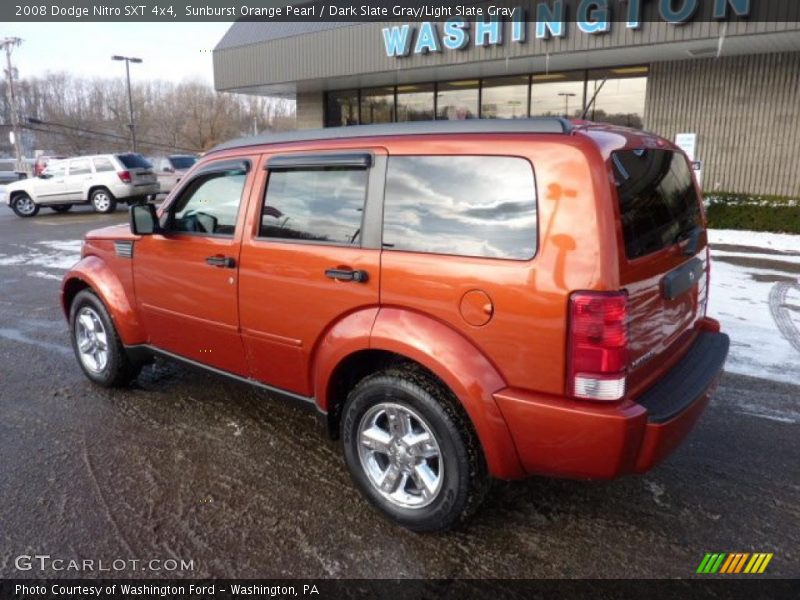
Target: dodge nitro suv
458, 301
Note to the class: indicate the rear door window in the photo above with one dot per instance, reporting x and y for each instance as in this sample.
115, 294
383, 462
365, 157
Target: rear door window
134, 161
657, 198
103, 164
482, 206
323, 205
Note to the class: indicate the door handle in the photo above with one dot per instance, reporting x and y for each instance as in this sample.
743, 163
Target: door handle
347, 275
221, 261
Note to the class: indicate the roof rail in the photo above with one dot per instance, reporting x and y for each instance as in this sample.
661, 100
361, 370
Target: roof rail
556, 125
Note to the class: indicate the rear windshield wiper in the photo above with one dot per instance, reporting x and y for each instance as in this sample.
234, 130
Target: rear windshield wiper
693, 235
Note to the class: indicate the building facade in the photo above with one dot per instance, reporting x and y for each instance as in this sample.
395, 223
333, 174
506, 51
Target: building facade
728, 74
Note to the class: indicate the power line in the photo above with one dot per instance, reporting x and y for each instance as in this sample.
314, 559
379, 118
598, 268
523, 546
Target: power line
90, 132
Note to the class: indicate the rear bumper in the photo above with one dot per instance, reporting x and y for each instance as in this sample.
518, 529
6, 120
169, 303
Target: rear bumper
567, 438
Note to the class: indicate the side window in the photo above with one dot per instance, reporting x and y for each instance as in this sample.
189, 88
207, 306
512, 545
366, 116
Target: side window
481, 206
103, 164
56, 169
209, 204
79, 167
315, 204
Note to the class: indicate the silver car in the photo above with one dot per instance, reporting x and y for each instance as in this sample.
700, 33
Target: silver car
170, 169
101, 180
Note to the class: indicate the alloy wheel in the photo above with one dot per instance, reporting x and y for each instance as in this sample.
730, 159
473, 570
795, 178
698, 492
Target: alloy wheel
400, 455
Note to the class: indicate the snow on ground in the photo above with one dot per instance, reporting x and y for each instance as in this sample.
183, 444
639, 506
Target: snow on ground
57, 256
748, 269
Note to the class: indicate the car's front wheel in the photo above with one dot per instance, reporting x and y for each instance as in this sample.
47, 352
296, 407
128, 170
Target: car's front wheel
102, 201
411, 450
97, 345
60, 208
24, 206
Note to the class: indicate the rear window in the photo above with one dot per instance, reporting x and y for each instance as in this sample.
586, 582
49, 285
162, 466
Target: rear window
134, 161
182, 162
658, 202
481, 206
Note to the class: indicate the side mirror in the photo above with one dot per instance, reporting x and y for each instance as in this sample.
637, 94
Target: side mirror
168, 170
144, 220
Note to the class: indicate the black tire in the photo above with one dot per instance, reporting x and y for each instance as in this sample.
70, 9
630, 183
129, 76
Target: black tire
60, 208
464, 477
103, 201
23, 206
118, 370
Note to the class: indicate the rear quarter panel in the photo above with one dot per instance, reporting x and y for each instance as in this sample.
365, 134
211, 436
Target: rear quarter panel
526, 336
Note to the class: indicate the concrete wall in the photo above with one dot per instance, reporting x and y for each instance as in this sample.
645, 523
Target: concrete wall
310, 111
746, 112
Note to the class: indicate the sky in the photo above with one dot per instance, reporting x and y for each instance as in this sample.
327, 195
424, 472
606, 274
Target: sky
170, 51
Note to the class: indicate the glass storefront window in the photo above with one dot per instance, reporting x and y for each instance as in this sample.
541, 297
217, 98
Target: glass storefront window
505, 98
557, 95
377, 105
621, 98
415, 102
342, 109
457, 100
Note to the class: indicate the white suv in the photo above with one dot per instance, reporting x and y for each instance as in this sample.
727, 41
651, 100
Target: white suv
101, 180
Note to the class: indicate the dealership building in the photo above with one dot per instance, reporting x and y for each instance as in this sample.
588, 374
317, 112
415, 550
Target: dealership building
721, 76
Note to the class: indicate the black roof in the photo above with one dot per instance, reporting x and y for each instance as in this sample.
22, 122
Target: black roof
533, 125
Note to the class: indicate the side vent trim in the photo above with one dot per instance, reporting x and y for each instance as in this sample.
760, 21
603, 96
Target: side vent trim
124, 249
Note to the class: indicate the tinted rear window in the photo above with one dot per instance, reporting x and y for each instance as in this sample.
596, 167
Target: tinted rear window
464, 205
658, 202
134, 161
182, 162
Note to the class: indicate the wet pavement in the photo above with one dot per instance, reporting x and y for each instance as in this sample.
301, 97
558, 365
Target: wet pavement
186, 466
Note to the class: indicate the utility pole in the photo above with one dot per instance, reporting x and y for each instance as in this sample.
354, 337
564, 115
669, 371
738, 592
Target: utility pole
9, 44
128, 60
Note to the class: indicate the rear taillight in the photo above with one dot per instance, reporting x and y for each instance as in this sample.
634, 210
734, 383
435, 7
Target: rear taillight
124, 176
597, 348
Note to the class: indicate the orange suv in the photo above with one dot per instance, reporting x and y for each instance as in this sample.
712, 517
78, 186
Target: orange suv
458, 301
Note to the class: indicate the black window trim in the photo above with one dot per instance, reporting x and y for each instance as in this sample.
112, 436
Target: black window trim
349, 160
372, 213
390, 247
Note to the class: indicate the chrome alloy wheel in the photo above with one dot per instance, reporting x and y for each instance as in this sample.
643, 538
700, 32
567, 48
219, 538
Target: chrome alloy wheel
92, 340
400, 455
101, 201
25, 205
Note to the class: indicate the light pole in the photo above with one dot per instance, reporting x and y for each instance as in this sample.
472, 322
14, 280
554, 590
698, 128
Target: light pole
567, 96
9, 44
128, 60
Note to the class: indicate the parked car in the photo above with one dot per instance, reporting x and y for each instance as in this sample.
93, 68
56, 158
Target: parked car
449, 316
170, 169
100, 180
9, 172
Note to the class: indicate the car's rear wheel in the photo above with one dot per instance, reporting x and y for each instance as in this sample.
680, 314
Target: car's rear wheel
97, 345
411, 450
24, 206
102, 201
60, 208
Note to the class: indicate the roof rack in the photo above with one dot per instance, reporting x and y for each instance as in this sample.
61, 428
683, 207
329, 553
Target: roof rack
556, 125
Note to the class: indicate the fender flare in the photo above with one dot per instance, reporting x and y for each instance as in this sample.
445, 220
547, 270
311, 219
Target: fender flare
445, 353
94, 273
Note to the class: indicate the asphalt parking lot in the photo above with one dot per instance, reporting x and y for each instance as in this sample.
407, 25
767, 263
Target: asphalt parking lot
187, 466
